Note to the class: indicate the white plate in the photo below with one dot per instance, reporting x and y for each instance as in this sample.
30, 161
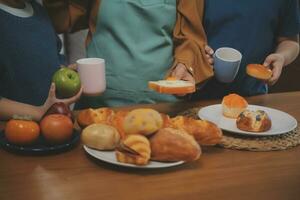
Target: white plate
109, 157
281, 121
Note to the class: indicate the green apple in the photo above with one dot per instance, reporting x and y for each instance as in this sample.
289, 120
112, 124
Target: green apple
67, 82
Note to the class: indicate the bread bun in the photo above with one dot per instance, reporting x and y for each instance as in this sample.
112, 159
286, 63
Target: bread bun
204, 132
259, 71
172, 86
100, 136
134, 149
170, 144
117, 121
254, 121
90, 116
233, 105
142, 121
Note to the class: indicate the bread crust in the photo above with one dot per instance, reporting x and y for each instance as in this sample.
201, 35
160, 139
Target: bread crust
170, 144
259, 71
172, 86
205, 132
253, 121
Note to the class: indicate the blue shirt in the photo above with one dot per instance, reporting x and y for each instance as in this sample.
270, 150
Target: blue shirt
252, 27
28, 56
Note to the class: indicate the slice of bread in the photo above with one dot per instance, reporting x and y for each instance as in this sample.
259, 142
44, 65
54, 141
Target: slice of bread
172, 86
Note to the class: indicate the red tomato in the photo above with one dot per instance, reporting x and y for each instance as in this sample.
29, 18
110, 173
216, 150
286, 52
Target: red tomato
56, 128
22, 132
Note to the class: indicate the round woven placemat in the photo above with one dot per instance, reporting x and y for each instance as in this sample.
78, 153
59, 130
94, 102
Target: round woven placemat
250, 143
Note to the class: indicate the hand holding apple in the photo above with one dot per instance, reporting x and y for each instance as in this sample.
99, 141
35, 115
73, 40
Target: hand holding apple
67, 82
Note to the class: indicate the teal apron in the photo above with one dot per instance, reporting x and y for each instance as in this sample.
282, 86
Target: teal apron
135, 39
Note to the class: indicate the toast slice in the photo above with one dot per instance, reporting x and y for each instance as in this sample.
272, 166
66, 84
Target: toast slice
172, 86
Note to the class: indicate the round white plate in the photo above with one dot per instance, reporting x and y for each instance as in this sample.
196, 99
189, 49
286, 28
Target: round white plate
281, 121
109, 157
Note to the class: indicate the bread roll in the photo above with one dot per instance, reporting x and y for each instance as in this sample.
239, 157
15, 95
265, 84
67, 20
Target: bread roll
142, 121
172, 86
204, 132
117, 121
90, 116
259, 71
254, 121
170, 144
100, 136
233, 105
134, 149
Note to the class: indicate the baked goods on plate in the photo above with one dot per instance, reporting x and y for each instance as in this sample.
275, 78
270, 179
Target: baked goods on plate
254, 121
134, 149
170, 144
233, 105
100, 136
259, 71
172, 86
90, 116
205, 132
142, 121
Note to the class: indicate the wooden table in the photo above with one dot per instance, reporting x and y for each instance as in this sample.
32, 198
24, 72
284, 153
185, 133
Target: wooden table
219, 174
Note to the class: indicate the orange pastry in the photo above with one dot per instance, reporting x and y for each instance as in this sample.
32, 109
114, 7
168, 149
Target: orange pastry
170, 144
90, 116
233, 105
134, 149
118, 122
259, 71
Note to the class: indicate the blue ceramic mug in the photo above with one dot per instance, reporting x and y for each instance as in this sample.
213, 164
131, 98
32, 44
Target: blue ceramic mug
226, 64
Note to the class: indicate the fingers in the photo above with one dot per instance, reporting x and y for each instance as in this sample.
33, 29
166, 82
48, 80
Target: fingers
73, 66
209, 54
208, 50
52, 91
179, 71
277, 69
74, 98
269, 60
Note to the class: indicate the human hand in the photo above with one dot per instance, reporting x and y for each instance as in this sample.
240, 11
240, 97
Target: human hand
53, 99
276, 62
71, 66
209, 52
180, 72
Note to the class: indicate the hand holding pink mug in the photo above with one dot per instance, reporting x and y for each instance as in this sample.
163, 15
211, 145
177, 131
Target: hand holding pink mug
92, 75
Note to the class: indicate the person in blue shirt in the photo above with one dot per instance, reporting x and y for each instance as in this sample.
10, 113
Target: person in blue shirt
29, 55
265, 32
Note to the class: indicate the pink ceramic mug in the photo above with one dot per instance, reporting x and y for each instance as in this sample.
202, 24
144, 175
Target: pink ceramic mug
92, 75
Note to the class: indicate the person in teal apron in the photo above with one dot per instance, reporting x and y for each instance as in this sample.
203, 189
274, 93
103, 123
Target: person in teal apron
135, 37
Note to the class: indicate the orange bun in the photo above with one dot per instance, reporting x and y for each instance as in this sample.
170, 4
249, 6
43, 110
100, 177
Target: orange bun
233, 105
259, 71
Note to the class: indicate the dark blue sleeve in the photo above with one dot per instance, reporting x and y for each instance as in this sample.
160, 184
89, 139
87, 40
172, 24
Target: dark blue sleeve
290, 19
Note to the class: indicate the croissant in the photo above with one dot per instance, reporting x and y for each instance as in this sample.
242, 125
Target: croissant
204, 132
170, 144
134, 149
